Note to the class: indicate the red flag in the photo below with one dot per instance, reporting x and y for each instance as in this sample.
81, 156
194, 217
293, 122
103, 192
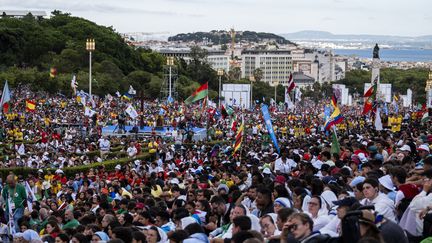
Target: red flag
370, 91
291, 84
367, 107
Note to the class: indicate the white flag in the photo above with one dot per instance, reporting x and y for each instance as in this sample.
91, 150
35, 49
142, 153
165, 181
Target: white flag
298, 94
131, 112
74, 84
89, 112
20, 149
11, 223
131, 91
30, 197
378, 123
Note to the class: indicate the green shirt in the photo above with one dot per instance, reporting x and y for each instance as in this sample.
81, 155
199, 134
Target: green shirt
71, 224
17, 194
121, 211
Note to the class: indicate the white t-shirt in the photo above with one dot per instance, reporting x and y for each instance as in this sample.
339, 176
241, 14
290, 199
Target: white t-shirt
284, 167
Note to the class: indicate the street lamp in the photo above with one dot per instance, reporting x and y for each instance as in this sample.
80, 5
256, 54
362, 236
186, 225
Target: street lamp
90, 46
428, 89
220, 73
275, 83
170, 63
252, 79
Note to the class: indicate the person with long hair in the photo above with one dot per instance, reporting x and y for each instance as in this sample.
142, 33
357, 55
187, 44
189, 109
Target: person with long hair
53, 229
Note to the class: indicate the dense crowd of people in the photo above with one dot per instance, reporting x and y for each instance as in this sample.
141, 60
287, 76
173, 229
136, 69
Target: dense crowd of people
375, 188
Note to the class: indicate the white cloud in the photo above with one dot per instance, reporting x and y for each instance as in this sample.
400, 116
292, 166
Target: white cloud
396, 17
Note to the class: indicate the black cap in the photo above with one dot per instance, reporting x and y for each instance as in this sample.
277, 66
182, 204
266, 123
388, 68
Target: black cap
348, 201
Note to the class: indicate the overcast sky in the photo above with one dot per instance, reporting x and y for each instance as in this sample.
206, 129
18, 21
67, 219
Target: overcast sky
388, 17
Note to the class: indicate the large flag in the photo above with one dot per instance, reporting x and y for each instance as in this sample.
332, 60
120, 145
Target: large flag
291, 84
199, 94
335, 147
334, 101
288, 102
30, 106
225, 112
5, 99
30, 196
370, 96
335, 118
373, 88
267, 121
130, 110
239, 137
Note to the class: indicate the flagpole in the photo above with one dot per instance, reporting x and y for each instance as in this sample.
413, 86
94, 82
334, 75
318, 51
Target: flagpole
334, 130
207, 119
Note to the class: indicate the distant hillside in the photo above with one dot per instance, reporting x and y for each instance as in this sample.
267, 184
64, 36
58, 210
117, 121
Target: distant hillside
324, 35
224, 37
395, 42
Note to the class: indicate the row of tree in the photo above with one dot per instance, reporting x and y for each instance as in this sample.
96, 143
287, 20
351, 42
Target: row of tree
29, 47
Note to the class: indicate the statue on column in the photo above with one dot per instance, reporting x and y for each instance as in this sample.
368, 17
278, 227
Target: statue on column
376, 51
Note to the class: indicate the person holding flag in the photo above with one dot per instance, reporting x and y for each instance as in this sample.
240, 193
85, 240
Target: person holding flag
15, 197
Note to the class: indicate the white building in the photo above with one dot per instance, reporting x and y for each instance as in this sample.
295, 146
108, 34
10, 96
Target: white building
216, 59
22, 13
275, 64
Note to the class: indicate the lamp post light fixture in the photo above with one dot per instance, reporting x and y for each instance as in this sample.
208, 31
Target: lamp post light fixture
428, 90
251, 79
220, 74
90, 47
170, 63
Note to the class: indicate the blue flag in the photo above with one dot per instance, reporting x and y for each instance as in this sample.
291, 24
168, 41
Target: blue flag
267, 120
385, 109
170, 100
326, 112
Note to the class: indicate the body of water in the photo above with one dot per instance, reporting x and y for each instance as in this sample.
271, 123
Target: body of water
408, 55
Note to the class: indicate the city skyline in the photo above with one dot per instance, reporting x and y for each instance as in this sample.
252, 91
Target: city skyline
385, 17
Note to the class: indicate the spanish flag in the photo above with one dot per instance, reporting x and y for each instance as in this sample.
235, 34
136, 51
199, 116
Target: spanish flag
30, 106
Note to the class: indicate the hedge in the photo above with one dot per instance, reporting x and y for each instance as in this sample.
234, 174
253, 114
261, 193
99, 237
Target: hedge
108, 164
71, 171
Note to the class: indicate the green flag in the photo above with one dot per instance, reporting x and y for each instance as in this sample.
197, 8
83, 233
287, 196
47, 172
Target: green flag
199, 94
335, 148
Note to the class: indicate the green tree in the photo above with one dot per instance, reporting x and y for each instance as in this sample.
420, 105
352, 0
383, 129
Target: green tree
258, 74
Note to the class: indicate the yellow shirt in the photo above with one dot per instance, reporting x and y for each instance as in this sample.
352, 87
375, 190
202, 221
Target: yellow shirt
157, 192
152, 147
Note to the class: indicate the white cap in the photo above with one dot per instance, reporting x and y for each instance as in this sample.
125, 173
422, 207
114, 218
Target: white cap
386, 182
424, 147
405, 148
266, 171
118, 167
59, 171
